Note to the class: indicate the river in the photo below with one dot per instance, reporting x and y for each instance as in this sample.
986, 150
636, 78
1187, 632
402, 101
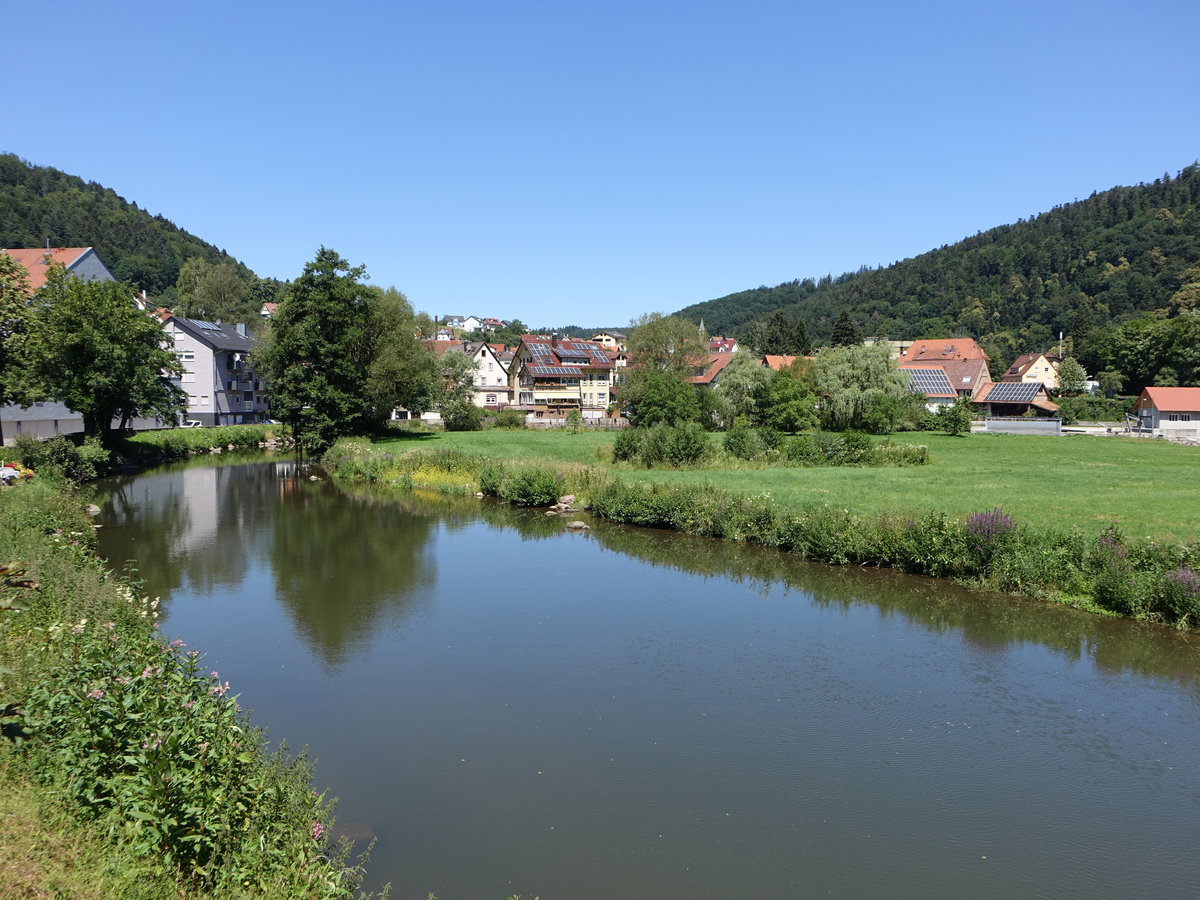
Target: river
509, 707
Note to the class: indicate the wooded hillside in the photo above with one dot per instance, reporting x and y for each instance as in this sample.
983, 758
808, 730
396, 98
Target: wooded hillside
1117, 255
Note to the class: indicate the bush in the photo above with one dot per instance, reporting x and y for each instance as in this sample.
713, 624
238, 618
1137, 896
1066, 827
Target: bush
857, 448
744, 443
509, 418
58, 455
530, 486
626, 444
491, 479
462, 415
802, 450
687, 444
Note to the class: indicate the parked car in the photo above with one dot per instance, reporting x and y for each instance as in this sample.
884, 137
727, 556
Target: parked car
191, 423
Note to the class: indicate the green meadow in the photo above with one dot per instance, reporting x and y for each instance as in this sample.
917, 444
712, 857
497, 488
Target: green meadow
1151, 488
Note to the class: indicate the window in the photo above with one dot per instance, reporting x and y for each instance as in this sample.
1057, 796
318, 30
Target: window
188, 377
1179, 417
248, 396
204, 400
491, 367
490, 398
186, 355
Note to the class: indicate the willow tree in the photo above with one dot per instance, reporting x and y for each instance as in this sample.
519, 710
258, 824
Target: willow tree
857, 384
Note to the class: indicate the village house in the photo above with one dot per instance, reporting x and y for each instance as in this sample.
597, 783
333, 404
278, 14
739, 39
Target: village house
221, 385
967, 376
1169, 411
553, 375
709, 373
491, 387
718, 344
939, 350
82, 262
610, 340
1039, 367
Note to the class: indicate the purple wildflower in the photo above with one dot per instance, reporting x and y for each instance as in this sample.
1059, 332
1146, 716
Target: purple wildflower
318, 831
985, 528
1188, 580
95, 695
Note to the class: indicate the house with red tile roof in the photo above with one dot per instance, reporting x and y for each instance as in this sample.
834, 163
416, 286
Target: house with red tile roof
1170, 411
81, 262
718, 344
1041, 367
931, 382
968, 376
939, 350
555, 375
708, 374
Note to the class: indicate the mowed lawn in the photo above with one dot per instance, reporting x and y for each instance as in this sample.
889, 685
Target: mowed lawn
1151, 488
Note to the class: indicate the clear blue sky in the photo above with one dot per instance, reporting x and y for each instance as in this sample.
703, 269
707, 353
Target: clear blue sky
587, 162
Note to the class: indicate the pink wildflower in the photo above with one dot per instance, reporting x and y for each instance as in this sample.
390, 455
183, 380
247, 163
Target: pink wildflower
95, 695
318, 831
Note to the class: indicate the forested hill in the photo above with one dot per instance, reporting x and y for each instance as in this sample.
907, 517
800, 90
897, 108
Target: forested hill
39, 204
1082, 265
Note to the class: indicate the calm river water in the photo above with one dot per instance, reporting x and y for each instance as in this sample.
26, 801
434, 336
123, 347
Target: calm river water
511, 708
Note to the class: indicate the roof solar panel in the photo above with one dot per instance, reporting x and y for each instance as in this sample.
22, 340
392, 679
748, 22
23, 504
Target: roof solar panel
1013, 392
930, 382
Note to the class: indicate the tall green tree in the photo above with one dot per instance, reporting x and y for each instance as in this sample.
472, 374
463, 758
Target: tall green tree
652, 396
1072, 379
845, 330
403, 373
319, 353
14, 324
785, 403
91, 348
780, 335
666, 344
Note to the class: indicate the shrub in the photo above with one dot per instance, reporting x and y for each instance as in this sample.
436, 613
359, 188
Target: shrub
652, 448
509, 418
530, 486
743, 442
1180, 594
60, 456
803, 450
626, 444
857, 448
830, 448
491, 479
462, 415
687, 444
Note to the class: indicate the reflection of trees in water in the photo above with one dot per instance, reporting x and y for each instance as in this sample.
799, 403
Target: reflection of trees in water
342, 561
989, 622
199, 520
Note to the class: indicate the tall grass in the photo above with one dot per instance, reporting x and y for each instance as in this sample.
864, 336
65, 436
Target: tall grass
134, 735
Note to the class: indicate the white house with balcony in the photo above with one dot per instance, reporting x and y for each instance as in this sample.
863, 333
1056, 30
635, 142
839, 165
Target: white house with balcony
221, 385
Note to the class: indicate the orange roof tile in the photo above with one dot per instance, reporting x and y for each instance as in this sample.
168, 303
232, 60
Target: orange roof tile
1172, 399
942, 349
713, 367
37, 261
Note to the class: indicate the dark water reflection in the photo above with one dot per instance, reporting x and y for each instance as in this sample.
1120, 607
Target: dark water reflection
628, 712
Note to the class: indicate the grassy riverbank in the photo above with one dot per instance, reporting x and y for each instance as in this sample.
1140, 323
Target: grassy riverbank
129, 770
1149, 488
946, 522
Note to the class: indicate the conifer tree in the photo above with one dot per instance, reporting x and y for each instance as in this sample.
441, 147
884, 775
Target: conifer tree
845, 330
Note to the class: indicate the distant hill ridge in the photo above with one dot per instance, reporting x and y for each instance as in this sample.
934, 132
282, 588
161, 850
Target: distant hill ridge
1115, 255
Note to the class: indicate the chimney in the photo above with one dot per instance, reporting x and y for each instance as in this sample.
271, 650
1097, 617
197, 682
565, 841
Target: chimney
554, 339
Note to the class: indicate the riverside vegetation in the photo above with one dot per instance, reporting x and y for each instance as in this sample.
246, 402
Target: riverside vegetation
124, 750
987, 547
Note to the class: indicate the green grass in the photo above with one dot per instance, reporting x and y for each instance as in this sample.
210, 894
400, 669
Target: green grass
1152, 488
